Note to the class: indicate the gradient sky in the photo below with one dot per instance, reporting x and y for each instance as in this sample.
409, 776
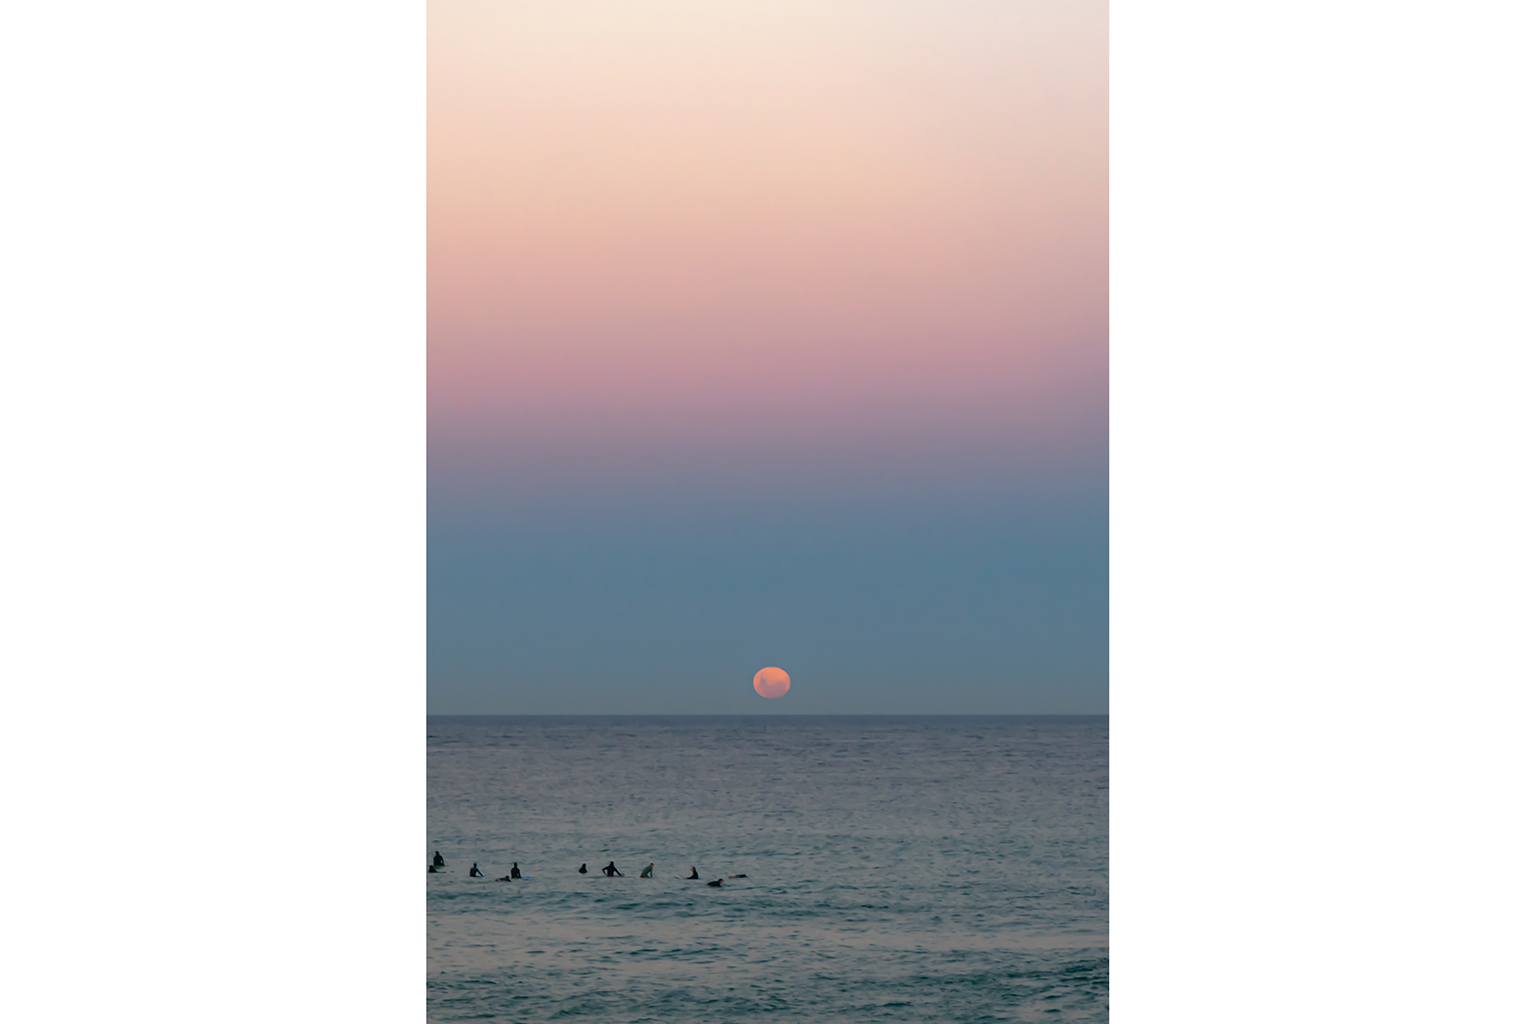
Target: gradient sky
767, 333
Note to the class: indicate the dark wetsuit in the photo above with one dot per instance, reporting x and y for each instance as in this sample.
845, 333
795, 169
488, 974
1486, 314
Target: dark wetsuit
432, 869
437, 860
475, 872
717, 883
611, 871
695, 876
581, 870
514, 873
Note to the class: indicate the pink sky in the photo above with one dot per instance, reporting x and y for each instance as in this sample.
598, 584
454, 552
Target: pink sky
764, 222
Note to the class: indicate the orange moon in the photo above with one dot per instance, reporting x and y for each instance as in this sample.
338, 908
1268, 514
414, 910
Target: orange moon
771, 682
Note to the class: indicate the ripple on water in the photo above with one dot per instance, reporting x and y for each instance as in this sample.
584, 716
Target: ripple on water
898, 869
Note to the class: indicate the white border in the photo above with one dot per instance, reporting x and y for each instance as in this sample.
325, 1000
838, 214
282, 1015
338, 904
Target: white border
1321, 426
212, 396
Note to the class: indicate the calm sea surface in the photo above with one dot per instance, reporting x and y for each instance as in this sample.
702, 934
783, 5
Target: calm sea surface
903, 868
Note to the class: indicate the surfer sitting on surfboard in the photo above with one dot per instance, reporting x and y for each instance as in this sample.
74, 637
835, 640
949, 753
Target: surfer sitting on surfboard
474, 870
646, 873
611, 871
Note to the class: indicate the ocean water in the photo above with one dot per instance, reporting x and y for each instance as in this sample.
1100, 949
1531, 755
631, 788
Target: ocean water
897, 868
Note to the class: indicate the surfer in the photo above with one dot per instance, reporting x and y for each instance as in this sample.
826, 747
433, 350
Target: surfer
432, 869
695, 876
648, 869
612, 871
474, 870
581, 870
738, 876
437, 859
514, 873
717, 883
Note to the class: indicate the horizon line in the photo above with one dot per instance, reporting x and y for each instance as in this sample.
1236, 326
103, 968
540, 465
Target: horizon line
777, 714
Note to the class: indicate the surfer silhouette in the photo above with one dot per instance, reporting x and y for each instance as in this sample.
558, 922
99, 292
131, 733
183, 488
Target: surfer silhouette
474, 870
695, 876
646, 873
717, 883
581, 870
437, 859
612, 871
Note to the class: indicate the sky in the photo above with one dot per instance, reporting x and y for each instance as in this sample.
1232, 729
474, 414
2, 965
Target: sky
767, 334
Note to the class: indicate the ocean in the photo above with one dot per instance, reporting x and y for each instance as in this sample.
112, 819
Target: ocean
906, 868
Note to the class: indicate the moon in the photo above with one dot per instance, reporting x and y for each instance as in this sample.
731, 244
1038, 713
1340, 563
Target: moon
771, 682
